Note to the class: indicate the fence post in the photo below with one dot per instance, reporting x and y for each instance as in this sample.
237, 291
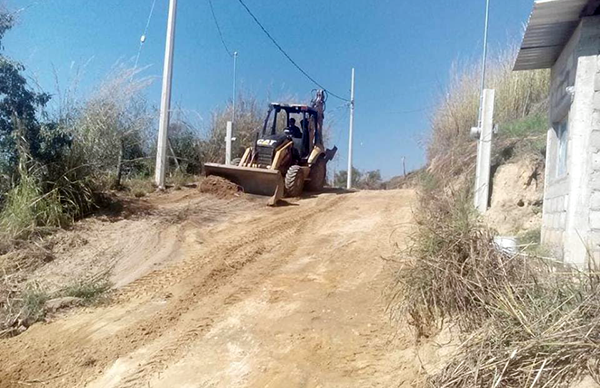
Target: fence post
228, 140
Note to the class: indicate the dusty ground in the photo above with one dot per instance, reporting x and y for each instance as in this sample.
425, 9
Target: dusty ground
230, 293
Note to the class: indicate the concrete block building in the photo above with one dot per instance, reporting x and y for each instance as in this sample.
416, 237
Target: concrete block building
564, 36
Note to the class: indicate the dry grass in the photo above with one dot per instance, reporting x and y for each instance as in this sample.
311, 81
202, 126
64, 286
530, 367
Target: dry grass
523, 322
518, 95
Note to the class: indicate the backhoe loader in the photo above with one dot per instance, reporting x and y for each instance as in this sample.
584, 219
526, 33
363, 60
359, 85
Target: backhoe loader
284, 159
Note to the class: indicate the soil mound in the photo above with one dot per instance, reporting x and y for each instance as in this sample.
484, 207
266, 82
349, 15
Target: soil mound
219, 187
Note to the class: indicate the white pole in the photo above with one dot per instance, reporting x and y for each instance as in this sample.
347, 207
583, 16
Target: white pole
482, 188
483, 62
228, 140
235, 54
165, 103
349, 182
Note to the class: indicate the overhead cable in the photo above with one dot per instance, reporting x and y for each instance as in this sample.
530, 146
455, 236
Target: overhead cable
143, 37
286, 54
212, 11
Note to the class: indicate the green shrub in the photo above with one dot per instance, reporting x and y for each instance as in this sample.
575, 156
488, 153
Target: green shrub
32, 305
27, 208
89, 291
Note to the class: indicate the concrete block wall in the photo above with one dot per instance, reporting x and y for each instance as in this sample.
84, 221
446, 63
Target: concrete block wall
593, 238
571, 219
556, 190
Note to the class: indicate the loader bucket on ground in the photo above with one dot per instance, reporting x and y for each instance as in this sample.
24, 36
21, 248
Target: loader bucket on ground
253, 180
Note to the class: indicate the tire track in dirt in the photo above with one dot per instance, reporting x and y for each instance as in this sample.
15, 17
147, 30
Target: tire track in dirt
76, 355
235, 257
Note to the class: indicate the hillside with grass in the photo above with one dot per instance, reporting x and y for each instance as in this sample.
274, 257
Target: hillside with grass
517, 319
518, 146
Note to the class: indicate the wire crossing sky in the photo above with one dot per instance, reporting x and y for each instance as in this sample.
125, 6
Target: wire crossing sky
402, 51
287, 56
212, 11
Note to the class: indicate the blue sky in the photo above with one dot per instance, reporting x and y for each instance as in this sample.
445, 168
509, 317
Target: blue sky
401, 49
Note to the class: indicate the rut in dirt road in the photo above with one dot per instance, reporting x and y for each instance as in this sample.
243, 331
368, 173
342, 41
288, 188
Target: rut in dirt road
275, 297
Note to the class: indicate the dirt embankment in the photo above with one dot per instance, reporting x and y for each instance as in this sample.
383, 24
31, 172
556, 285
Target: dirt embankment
284, 297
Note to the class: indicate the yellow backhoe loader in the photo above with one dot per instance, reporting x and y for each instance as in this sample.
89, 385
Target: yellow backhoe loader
284, 158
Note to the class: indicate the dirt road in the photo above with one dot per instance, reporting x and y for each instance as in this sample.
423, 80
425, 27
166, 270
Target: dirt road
284, 297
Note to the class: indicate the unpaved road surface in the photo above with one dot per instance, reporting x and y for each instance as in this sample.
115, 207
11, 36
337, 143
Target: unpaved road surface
284, 297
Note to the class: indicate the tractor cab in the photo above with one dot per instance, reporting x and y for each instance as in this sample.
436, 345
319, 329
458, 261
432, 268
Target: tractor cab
298, 123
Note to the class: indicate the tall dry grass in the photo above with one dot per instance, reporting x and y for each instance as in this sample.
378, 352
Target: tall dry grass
521, 322
450, 151
250, 115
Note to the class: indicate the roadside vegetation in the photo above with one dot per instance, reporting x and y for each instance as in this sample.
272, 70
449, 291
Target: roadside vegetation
33, 303
67, 154
362, 180
520, 320
520, 112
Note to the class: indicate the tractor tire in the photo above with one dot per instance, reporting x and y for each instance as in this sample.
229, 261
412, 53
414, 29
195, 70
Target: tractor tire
236, 161
318, 173
294, 181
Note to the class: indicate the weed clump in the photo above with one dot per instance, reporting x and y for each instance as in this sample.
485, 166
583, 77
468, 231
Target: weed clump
522, 321
29, 306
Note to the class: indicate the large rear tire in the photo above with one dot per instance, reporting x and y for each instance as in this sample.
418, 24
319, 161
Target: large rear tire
318, 173
294, 181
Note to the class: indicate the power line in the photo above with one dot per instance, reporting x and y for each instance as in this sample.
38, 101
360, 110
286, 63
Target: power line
212, 11
143, 38
286, 54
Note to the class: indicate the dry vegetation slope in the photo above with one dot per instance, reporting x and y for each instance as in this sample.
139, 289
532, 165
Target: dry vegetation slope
519, 147
521, 321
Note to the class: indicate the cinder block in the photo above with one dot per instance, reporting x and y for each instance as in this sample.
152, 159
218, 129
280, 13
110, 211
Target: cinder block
595, 219
597, 82
596, 100
560, 204
562, 220
596, 119
596, 160
595, 178
595, 140
556, 221
595, 200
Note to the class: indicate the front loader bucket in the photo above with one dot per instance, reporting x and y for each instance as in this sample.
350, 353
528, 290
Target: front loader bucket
253, 180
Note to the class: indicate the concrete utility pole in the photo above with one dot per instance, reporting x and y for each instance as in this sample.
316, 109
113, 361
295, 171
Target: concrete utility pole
484, 61
165, 103
484, 152
349, 182
233, 98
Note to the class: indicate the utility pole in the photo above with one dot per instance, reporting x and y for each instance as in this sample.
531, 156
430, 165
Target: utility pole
484, 129
165, 103
484, 152
349, 182
483, 62
235, 54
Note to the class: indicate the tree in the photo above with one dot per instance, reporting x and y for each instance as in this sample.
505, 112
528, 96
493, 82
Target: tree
23, 138
341, 178
370, 180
